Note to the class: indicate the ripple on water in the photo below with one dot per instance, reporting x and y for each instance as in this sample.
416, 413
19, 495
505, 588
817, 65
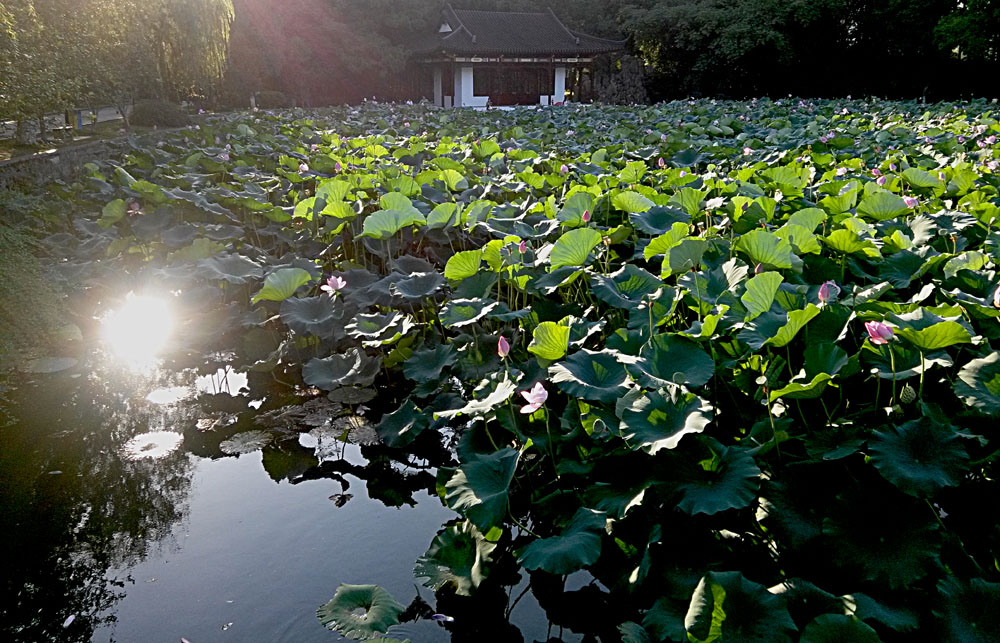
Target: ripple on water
152, 445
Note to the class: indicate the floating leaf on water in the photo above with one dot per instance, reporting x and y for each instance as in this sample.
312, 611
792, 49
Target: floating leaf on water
379, 611
351, 395
49, 365
246, 442
152, 446
358, 430
458, 556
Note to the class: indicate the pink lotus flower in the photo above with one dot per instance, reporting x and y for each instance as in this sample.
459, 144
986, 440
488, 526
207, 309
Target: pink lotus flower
224, 156
911, 201
522, 247
333, 284
535, 397
876, 172
828, 291
303, 167
992, 166
563, 169
879, 333
893, 167
661, 163
961, 139
586, 216
990, 140
880, 180
314, 147
503, 347
747, 151
841, 171
663, 137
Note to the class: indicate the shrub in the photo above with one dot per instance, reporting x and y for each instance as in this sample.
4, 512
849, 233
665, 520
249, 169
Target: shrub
158, 113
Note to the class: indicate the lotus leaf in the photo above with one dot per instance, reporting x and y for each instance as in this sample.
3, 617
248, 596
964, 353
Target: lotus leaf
380, 611
659, 419
459, 556
479, 488
578, 545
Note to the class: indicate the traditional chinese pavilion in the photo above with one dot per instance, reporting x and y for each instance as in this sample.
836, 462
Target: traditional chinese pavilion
480, 58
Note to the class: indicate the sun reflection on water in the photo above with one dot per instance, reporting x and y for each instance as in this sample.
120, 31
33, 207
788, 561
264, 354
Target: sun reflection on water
138, 331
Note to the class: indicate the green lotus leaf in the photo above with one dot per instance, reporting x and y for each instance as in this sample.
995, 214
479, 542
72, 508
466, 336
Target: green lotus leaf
920, 456
549, 340
443, 215
727, 607
577, 545
484, 404
803, 390
838, 628
849, 243
386, 223
659, 219
765, 332
801, 239
920, 178
669, 239
728, 481
591, 376
245, 442
760, 293
377, 329
572, 211
907, 360
380, 611
937, 336
978, 383
401, 427
629, 201
825, 358
654, 310
112, 213
968, 610
282, 284
418, 285
574, 247
890, 543
462, 265
657, 420
312, 315
426, 365
671, 359
201, 248
626, 287
808, 218
868, 609
765, 248
330, 372
462, 312
685, 256
972, 260
633, 633
479, 488
882, 206
459, 556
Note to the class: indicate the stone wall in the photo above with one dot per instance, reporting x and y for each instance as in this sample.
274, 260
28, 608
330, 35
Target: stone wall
28, 172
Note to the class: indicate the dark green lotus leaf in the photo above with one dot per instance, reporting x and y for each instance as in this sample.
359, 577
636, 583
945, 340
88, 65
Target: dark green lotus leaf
660, 419
728, 481
626, 287
591, 376
671, 359
459, 556
907, 360
893, 543
968, 610
401, 427
633, 633
222, 232
312, 315
462, 312
919, 457
658, 219
838, 628
868, 609
776, 329
547, 283
281, 284
149, 226
803, 390
245, 442
378, 329
426, 365
233, 268
654, 310
577, 545
351, 395
488, 399
379, 611
330, 372
978, 383
479, 488
727, 607
180, 235
408, 265
418, 285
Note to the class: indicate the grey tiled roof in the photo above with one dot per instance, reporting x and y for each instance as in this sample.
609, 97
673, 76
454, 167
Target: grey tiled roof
513, 34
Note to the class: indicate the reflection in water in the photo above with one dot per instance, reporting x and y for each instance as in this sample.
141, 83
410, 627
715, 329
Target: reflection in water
138, 330
153, 445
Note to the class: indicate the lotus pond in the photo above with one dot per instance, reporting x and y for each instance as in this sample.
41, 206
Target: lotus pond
692, 372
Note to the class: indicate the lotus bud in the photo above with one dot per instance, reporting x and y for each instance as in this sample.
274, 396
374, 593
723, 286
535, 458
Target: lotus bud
586, 216
661, 163
563, 169
442, 618
303, 167
880, 180
747, 151
893, 167
778, 196
879, 333
991, 139
911, 201
876, 172
503, 347
522, 247
224, 156
759, 268
828, 291
841, 171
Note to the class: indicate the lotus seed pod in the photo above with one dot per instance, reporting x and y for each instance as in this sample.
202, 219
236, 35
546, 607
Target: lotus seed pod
908, 394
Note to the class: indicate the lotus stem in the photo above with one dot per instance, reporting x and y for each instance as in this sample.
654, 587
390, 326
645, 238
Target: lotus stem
920, 389
892, 363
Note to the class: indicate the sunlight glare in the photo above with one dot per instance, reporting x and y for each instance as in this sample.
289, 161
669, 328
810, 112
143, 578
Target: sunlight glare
138, 330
